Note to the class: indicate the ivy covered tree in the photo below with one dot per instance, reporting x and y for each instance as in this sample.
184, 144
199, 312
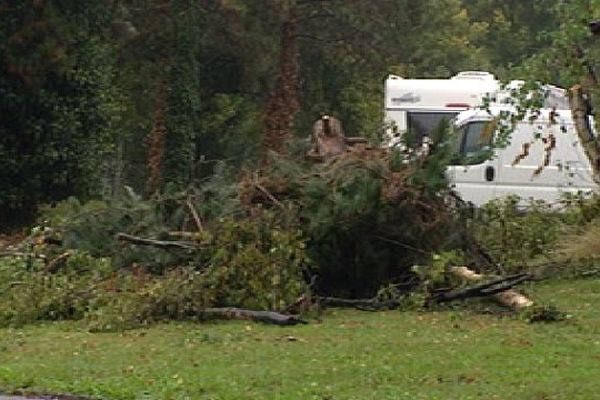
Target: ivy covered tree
57, 102
183, 124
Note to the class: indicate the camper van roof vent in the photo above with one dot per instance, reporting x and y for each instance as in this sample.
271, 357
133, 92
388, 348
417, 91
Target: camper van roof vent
481, 75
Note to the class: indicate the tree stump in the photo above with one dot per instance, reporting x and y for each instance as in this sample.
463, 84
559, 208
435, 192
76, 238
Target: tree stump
328, 138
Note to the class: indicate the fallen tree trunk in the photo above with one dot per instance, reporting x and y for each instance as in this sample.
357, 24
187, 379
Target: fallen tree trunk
161, 244
500, 289
268, 317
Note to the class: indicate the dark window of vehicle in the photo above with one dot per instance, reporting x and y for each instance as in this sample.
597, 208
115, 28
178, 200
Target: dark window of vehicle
421, 124
475, 140
475, 137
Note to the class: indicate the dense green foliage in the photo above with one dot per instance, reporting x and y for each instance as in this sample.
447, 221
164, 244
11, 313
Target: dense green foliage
252, 264
345, 228
58, 103
572, 51
515, 237
80, 80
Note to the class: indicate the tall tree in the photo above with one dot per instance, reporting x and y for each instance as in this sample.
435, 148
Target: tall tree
571, 61
184, 100
513, 30
58, 105
283, 103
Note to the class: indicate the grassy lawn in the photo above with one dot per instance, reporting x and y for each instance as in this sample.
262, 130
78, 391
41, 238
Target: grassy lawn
350, 355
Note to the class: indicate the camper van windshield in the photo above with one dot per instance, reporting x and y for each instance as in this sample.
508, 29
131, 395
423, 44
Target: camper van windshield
474, 143
420, 124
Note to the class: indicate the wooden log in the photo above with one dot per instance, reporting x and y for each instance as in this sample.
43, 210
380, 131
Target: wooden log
195, 215
506, 297
268, 317
161, 244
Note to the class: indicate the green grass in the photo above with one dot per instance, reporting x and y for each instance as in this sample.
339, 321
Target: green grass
350, 355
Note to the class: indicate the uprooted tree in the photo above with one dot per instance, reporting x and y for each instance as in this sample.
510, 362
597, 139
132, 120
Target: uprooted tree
280, 239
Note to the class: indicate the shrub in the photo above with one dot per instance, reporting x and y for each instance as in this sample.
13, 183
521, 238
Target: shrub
253, 263
514, 235
256, 263
28, 293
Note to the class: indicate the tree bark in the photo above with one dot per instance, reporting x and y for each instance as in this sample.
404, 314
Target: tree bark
282, 105
156, 142
579, 110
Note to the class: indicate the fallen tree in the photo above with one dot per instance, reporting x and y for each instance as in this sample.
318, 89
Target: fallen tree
500, 288
359, 222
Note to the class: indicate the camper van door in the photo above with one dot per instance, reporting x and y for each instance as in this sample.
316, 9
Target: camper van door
475, 171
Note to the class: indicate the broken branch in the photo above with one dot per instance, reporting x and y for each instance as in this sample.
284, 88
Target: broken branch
195, 215
500, 289
161, 244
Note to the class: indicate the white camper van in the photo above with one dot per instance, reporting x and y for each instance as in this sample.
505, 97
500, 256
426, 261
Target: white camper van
544, 159
419, 105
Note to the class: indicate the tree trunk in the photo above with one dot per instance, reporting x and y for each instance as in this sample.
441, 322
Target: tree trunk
580, 97
156, 142
579, 109
282, 105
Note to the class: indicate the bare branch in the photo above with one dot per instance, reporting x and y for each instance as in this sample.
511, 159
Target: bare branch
161, 244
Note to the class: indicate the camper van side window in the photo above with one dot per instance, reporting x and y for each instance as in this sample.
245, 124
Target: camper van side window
475, 142
422, 124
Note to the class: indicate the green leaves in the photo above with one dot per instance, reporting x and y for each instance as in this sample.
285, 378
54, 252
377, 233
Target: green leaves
514, 237
256, 263
61, 101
